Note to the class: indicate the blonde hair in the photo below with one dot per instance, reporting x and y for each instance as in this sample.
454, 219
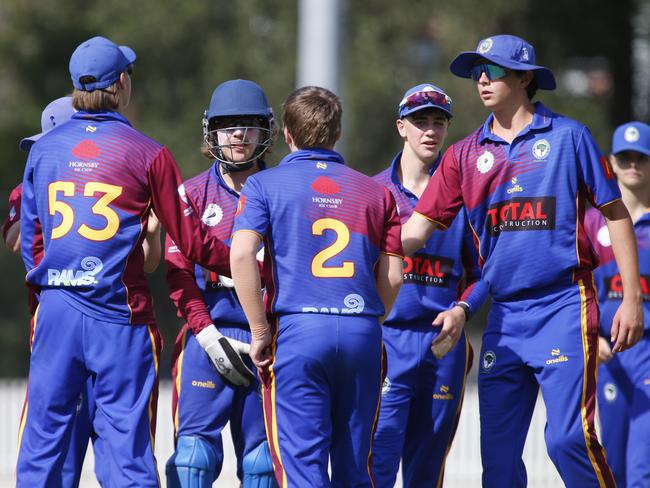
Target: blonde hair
105, 99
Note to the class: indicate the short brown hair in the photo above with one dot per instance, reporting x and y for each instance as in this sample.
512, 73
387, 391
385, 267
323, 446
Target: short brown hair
100, 100
312, 115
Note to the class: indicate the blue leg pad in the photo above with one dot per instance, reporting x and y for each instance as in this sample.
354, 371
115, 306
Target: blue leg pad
195, 464
258, 468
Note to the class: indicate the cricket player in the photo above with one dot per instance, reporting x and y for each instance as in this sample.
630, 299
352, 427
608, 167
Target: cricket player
237, 131
332, 270
422, 395
524, 178
624, 377
90, 184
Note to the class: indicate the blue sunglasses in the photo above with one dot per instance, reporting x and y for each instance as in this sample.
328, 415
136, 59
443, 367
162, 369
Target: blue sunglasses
492, 71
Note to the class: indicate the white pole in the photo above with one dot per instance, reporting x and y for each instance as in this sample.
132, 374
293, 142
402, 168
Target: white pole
318, 43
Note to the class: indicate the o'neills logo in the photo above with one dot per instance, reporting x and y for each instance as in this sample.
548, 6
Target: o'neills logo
425, 269
614, 286
534, 213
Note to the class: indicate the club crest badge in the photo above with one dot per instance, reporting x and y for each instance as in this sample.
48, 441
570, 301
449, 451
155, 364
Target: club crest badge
489, 360
603, 236
485, 162
485, 45
212, 215
541, 149
631, 134
610, 392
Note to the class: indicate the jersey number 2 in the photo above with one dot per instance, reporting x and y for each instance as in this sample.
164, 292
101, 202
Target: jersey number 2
110, 193
318, 268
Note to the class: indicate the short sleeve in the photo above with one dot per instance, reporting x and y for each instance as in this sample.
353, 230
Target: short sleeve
596, 172
442, 198
252, 210
391, 242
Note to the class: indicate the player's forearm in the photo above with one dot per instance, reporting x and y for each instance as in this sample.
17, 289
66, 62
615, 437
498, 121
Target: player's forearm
389, 281
246, 275
12, 237
152, 251
415, 233
624, 246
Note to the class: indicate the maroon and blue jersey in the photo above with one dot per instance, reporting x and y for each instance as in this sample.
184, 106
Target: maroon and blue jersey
203, 296
324, 226
443, 271
607, 276
91, 183
525, 201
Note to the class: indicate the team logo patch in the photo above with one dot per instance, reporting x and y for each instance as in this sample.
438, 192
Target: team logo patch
321, 165
485, 162
631, 134
524, 54
91, 128
325, 186
86, 149
610, 392
603, 236
212, 215
489, 360
485, 45
541, 149
385, 388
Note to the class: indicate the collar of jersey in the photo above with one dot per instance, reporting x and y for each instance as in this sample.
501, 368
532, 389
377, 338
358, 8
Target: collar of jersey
100, 116
541, 120
222, 182
644, 219
394, 174
313, 154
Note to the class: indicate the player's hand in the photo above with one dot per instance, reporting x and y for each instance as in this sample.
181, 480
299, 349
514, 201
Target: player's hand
225, 354
452, 322
260, 351
153, 224
604, 350
627, 326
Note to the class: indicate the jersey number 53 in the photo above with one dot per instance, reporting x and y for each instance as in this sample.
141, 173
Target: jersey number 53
107, 192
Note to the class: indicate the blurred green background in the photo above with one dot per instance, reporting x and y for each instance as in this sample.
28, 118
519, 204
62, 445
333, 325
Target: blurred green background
599, 51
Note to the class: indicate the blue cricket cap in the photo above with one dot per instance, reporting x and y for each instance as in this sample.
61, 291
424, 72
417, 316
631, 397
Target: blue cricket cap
424, 96
56, 113
238, 97
101, 60
632, 136
507, 51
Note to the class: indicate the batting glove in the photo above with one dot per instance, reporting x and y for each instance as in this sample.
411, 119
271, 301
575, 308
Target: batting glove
225, 354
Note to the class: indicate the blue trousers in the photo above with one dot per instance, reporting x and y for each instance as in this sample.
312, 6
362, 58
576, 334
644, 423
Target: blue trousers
204, 403
420, 406
321, 399
550, 342
70, 347
624, 408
